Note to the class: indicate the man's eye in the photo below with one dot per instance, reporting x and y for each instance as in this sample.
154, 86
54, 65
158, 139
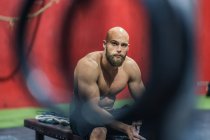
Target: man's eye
114, 44
124, 45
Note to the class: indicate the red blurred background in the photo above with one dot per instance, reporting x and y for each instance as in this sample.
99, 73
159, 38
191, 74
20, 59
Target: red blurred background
88, 29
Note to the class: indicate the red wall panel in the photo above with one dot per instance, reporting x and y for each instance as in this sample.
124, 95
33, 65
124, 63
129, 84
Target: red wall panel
203, 45
88, 29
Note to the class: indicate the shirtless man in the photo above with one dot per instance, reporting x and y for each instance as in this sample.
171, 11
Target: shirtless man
98, 78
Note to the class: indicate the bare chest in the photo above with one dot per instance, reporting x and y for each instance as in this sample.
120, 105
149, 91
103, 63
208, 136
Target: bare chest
111, 86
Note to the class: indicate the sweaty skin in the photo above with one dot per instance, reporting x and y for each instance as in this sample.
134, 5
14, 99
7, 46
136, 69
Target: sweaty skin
100, 76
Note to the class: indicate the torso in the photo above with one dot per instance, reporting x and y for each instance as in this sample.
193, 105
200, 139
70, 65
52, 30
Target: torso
109, 86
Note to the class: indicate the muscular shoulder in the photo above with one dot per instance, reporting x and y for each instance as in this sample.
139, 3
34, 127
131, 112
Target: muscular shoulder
88, 66
131, 67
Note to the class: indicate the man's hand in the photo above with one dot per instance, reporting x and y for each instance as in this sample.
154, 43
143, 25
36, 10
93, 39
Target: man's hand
133, 131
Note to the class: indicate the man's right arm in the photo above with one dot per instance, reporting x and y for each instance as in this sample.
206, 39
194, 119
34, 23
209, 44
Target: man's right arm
86, 75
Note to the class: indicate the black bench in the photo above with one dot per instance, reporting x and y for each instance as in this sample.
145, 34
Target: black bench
55, 131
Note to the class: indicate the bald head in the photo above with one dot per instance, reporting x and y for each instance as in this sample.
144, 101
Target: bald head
117, 33
116, 46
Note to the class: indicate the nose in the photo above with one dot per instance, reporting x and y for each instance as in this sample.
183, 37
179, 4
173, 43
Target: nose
119, 49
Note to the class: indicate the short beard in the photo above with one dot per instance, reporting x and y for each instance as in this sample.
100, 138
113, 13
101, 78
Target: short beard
111, 60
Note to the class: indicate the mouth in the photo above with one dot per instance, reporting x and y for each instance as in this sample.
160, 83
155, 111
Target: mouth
118, 56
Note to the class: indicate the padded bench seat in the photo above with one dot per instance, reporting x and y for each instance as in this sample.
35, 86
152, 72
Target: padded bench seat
55, 131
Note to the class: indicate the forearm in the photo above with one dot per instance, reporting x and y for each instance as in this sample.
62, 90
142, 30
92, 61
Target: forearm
111, 122
120, 126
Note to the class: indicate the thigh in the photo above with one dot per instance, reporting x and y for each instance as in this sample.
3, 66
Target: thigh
98, 133
81, 127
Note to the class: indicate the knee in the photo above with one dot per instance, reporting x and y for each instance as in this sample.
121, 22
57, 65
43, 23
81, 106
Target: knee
99, 132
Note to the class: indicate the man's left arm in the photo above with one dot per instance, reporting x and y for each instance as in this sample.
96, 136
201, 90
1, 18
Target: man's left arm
135, 83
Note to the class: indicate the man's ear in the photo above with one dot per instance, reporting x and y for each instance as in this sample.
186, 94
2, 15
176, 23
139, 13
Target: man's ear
104, 43
128, 47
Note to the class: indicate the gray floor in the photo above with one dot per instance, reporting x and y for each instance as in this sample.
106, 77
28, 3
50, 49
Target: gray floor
19, 133
200, 125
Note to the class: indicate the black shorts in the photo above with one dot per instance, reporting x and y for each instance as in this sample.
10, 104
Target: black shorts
83, 128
